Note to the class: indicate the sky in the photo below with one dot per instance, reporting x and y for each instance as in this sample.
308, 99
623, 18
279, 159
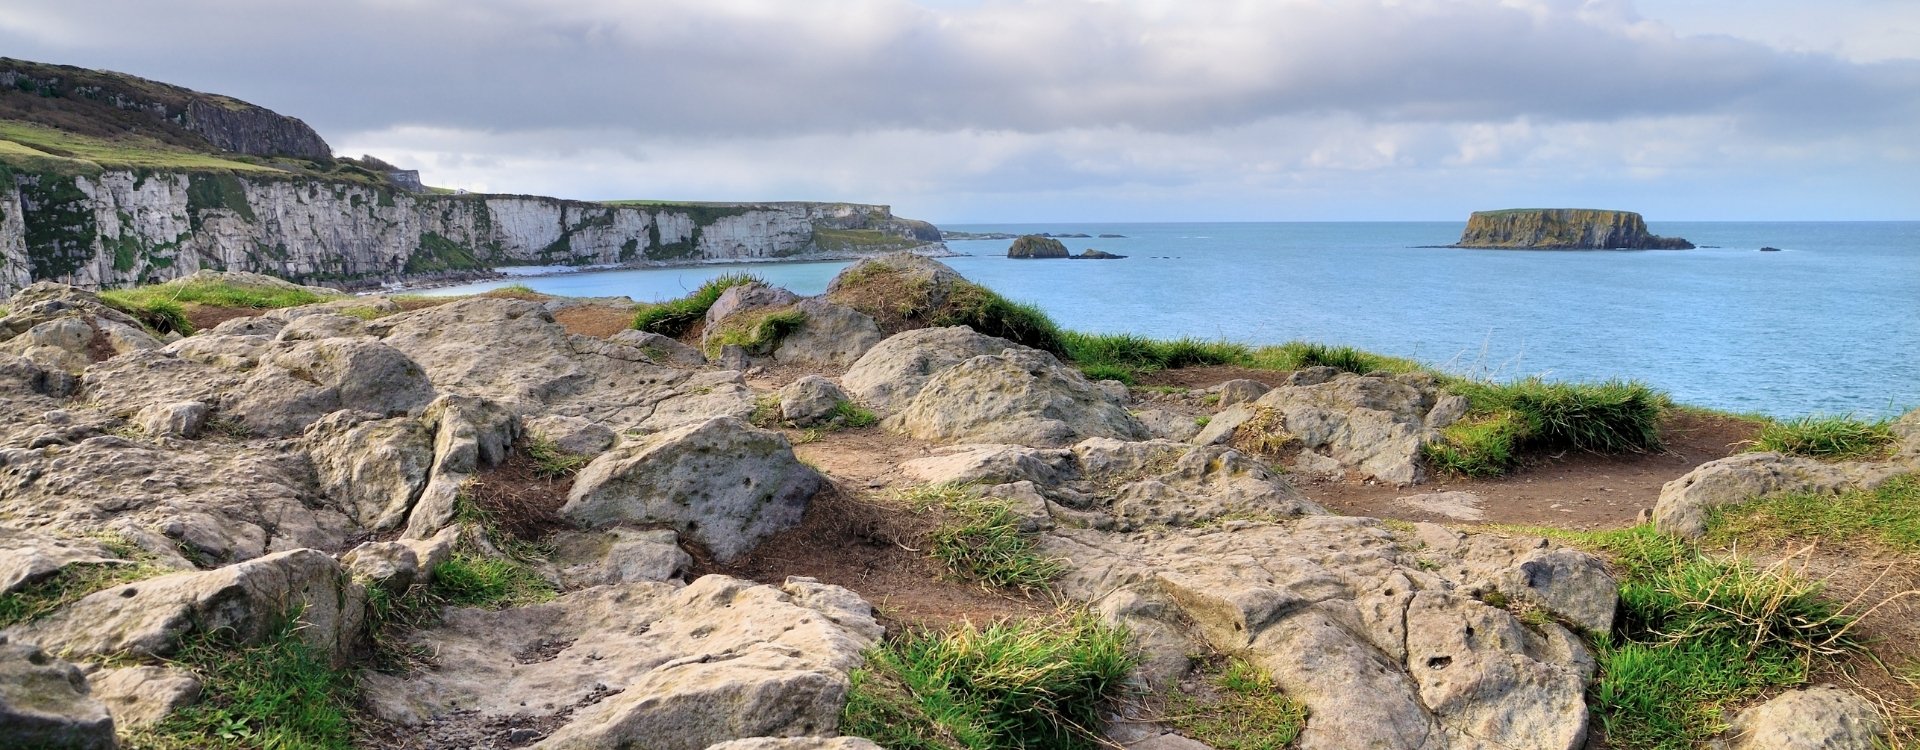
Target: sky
982, 111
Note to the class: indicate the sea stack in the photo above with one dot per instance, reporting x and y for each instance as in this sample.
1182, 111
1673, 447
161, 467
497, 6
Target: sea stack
1564, 229
1036, 246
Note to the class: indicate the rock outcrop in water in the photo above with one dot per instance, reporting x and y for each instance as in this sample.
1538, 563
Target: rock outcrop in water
1036, 246
1563, 229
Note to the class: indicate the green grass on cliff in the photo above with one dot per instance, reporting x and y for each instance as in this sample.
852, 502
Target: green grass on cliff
279, 693
980, 538
40, 147
1245, 711
676, 317
1040, 683
1887, 516
861, 240
160, 307
1832, 437
1509, 421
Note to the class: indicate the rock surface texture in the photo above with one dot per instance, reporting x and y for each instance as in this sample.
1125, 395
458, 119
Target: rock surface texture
1329, 422
1685, 503
1564, 229
1818, 718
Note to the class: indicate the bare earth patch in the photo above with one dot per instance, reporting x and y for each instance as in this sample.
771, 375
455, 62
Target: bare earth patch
599, 321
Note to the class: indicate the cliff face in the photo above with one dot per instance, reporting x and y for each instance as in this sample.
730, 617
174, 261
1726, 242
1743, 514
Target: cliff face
103, 103
1564, 229
122, 227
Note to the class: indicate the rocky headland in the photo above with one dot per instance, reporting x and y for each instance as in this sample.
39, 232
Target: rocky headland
507, 533
109, 180
1563, 229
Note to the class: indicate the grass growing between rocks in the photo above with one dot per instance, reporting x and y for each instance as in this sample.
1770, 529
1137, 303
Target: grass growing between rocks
74, 582
1888, 516
854, 416
676, 317
1700, 633
550, 462
1831, 437
1030, 684
280, 693
980, 538
161, 307
1507, 421
758, 333
469, 579
899, 301
1244, 711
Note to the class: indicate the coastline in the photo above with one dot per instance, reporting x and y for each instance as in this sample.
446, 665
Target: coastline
928, 250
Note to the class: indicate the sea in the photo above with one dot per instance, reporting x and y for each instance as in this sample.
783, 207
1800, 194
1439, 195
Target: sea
1829, 324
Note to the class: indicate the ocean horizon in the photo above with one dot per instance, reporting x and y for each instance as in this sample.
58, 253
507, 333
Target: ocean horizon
1830, 324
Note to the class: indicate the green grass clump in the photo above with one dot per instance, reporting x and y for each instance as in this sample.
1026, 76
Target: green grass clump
675, 317
758, 333
854, 416
68, 585
1038, 683
1507, 421
161, 307
472, 580
1697, 634
279, 693
1297, 355
158, 314
1121, 356
1826, 437
985, 311
1479, 445
550, 462
981, 539
1888, 515
1247, 712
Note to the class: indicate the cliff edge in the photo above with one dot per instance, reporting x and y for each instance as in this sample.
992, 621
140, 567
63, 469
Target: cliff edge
1563, 229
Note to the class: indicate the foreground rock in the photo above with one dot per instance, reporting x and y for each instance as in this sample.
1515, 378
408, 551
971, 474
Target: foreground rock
637, 665
45, 703
1686, 503
1330, 423
65, 329
1818, 718
722, 483
1387, 644
1021, 396
1564, 229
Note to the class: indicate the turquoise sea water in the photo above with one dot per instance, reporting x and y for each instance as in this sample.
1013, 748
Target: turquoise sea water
1829, 325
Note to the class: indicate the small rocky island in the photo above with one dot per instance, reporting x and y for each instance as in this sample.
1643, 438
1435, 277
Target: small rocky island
1044, 246
1563, 229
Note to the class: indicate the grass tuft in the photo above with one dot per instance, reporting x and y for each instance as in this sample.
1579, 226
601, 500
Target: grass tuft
1834, 437
550, 462
854, 416
74, 582
280, 693
756, 332
1038, 683
1246, 711
1888, 515
472, 580
985, 311
981, 538
1479, 445
676, 317
1509, 420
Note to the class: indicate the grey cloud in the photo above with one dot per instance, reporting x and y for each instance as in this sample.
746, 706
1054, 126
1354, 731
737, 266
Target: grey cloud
723, 69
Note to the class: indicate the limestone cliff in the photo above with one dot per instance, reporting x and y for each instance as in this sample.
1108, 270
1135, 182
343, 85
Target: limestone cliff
121, 227
1564, 229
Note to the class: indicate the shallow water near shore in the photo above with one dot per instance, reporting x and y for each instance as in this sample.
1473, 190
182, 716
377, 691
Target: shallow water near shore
1829, 325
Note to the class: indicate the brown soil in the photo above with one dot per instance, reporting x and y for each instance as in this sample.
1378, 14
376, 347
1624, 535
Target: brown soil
204, 317
1571, 490
599, 321
518, 499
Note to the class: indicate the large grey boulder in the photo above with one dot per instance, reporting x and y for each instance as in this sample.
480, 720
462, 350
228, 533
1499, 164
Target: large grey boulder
1823, 717
649, 665
1378, 635
891, 373
1373, 425
142, 696
1686, 503
1019, 395
743, 298
660, 349
831, 336
722, 483
296, 385
66, 329
533, 366
811, 400
372, 468
470, 434
45, 703
247, 600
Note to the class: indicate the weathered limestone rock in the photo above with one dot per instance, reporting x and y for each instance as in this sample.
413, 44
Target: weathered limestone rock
1382, 643
1564, 229
469, 434
891, 373
320, 325
660, 349
219, 501
1241, 391
618, 555
1570, 583
21, 375
810, 400
573, 435
372, 468
28, 557
1373, 425
182, 419
1165, 425
831, 336
142, 696
1460, 506
1685, 503
66, 329
722, 483
297, 385
148, 618
1823, 717
640, 664
392, 566
534, 366
746, 298
1021, 396
45, 703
